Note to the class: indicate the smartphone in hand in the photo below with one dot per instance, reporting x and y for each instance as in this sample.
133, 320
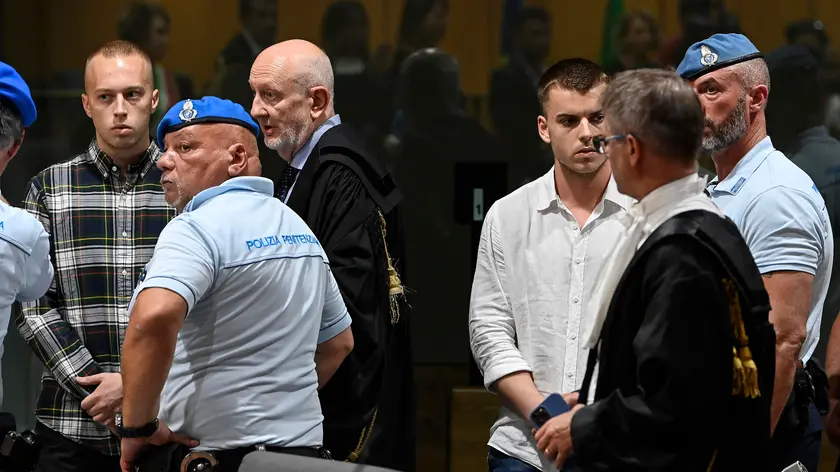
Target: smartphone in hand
553, 405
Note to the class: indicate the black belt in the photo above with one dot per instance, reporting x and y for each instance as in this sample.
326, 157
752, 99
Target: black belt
177, 457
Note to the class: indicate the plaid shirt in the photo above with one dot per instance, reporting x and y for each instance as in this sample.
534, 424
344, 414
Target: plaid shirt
103, 230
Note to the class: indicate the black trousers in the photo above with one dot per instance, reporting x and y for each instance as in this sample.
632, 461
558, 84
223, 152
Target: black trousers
59, 454
800, 444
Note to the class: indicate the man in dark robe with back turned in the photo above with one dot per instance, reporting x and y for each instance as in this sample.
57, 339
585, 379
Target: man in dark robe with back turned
351, 203
678, 323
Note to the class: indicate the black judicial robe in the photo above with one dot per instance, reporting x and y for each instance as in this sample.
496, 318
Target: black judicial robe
368, 405
666, 398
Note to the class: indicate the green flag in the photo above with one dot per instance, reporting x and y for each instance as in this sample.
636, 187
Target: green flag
612, 19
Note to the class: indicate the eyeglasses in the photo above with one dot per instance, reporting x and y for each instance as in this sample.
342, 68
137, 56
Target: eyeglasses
600, 142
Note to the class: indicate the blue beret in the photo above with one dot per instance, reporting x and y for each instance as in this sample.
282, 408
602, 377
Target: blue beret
207, 110
15, 90
716, 52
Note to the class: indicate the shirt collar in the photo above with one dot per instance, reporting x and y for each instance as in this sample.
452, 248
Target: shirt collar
106, 166
670, 194
237, 184
744, 169
550, 200
299, 159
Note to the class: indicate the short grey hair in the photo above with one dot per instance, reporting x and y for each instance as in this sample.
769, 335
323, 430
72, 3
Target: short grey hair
11, 124
753, 73
659, 108
315, 71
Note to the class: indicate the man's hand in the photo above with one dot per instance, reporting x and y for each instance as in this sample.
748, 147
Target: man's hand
554, 439
105, 402
130, 448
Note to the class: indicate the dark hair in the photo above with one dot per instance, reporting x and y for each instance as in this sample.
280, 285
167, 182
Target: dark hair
11, 124
659, 108
120, 48
414, 13
627, 22
527, 14
335, 17
799, 88
136, 21
576, 74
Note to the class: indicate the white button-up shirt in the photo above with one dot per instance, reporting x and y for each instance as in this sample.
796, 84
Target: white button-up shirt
535, 272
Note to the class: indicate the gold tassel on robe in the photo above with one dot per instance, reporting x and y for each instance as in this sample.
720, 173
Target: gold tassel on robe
396, 290
745, 372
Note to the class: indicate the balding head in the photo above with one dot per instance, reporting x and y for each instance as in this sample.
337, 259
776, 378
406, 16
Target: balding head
293, 94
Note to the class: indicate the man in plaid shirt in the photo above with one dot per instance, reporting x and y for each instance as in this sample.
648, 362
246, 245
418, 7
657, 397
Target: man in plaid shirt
104, 210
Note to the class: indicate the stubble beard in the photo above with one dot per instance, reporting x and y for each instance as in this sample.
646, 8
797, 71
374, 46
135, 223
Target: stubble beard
733, 128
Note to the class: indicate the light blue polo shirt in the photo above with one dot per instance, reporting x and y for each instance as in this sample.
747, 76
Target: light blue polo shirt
783, 219
260, 298
25, 267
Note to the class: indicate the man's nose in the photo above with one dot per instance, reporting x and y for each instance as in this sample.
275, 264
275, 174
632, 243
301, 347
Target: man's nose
165, 161
586, 130
119, 106
257, 110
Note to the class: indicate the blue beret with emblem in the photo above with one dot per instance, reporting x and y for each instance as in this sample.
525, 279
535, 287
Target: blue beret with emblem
15, 91
716, 52
207, 110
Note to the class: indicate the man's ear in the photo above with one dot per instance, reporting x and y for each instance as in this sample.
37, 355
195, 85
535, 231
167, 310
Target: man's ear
758, 98
238, 164
86, 104
155, 100
15, 146
542, 129
320, 101
633, 149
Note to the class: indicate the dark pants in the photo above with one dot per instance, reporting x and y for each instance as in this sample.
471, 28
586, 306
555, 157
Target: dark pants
59, 454
801, 444
498, 461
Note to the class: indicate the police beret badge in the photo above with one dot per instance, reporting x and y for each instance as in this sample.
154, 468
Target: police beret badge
707, 57
188, 112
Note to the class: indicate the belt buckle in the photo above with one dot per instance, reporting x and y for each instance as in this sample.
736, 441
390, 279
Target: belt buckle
205, 462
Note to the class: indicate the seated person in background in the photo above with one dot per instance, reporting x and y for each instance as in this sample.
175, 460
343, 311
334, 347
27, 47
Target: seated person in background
241, 292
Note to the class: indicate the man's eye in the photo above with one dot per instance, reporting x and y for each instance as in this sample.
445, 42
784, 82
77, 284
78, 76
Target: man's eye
183, 147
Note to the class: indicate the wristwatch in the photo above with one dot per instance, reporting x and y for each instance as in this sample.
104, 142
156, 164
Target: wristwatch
144, 431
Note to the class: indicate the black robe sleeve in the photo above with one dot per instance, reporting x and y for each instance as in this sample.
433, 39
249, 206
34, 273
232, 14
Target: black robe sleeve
344, 218
683, 357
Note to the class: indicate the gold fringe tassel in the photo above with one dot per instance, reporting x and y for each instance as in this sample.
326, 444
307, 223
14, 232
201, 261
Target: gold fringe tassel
363, 438
745, 372
395, 286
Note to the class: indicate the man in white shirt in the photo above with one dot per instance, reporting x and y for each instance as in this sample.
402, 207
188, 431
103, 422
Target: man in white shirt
540, 250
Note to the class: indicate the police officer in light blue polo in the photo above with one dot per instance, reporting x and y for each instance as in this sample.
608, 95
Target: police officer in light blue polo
238, 298
25, 268
784, 221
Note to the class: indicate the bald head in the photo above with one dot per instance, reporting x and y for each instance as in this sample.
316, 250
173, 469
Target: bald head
298, 61
293, 94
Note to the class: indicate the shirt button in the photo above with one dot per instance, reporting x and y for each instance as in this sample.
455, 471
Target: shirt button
576, 299
577, 261
574, 226
114, 168
569, 374
124, 234
574, 336
125, 272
